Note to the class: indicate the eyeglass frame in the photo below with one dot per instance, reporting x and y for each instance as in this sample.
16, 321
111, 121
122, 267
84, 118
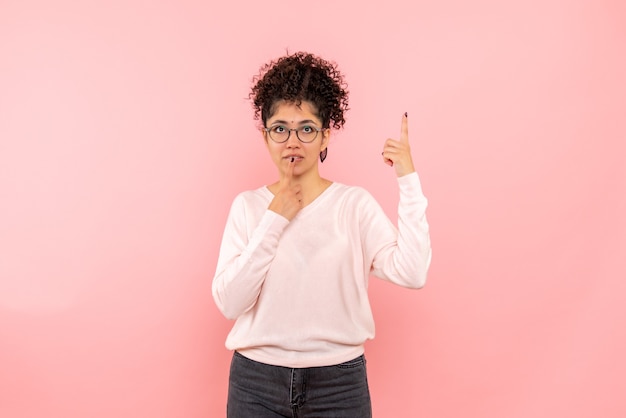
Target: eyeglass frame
317, 131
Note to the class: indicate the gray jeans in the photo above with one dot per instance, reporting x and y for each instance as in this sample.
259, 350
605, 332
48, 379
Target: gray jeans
258, 390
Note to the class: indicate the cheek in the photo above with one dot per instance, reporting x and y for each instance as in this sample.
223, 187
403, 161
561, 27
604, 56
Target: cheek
275, 152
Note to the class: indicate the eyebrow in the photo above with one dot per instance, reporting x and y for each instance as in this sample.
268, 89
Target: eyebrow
302, 122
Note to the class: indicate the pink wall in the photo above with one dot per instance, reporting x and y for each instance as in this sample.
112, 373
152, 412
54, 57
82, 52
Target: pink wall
125, 133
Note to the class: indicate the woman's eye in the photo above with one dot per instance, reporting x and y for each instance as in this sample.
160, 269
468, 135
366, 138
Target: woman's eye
307, 129
278, 129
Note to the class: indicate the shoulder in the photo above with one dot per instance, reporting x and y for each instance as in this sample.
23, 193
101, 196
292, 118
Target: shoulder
251, 198
260, 193
355, 194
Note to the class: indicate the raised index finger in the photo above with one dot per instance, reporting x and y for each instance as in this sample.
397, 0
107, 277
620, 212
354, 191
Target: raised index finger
289, 172
404, 128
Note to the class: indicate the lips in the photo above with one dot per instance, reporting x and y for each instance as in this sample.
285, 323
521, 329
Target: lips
295, 157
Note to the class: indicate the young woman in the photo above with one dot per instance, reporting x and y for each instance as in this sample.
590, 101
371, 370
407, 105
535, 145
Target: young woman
296, 256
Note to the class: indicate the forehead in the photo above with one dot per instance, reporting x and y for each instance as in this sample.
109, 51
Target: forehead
292, 112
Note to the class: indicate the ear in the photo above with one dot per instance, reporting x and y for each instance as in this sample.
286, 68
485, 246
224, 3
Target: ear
325, 139
264, 135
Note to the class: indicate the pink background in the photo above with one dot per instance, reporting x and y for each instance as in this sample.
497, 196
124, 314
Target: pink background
125, 134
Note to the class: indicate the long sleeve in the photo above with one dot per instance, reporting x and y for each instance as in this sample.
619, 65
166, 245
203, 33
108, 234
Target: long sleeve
245, 257
298, 289
401, 255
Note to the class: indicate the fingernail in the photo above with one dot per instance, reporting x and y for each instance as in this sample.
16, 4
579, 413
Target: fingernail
406, 114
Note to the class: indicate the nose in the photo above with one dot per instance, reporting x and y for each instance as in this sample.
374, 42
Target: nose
293, 141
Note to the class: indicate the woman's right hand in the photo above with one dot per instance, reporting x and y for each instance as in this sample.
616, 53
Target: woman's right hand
288, 200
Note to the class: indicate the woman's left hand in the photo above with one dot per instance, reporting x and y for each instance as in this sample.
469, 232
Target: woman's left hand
397, 154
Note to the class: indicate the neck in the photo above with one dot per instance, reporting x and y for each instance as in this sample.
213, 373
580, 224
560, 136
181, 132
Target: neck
312, 186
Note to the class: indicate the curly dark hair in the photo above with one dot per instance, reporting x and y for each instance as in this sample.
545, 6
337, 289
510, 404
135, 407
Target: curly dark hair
301, 77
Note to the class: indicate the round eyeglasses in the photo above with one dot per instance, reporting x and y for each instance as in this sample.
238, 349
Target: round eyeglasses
280, 133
